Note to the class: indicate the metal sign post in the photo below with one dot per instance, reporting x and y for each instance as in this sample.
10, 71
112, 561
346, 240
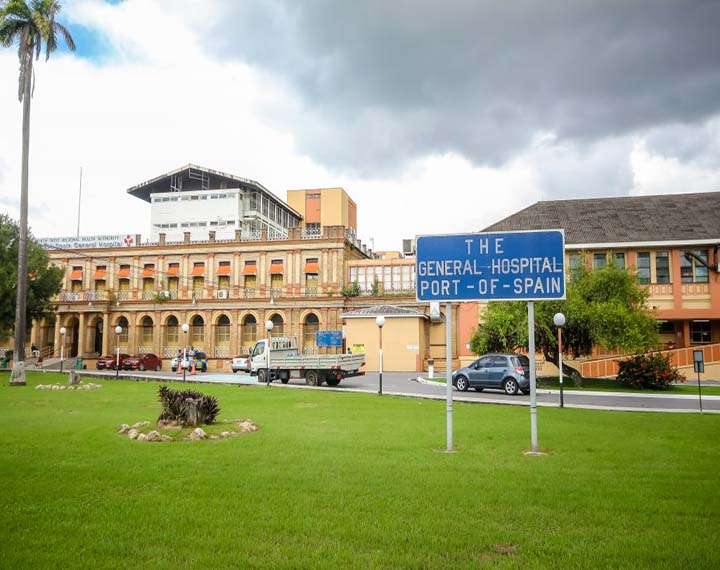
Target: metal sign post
498, 266
699, 365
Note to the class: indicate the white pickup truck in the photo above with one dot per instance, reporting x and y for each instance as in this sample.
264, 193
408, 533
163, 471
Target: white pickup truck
286, 362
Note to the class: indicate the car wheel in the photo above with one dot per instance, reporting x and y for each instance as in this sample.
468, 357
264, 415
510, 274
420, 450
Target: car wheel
141, 367
510, 386
478, 389
262, 376
173, 369
312, 378
462, 384
234, 371
204, 368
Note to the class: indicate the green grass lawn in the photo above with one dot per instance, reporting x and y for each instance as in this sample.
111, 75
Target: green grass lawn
351, 480
610, 385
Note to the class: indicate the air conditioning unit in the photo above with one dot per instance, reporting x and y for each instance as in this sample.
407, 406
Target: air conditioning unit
164, 294
223, 294
408, 247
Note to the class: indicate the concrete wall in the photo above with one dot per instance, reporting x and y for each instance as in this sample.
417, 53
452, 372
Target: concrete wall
403, 342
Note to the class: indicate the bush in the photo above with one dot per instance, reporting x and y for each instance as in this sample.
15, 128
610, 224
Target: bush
187, 407
651, 371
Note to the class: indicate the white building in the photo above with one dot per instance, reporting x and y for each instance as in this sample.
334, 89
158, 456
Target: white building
199, 200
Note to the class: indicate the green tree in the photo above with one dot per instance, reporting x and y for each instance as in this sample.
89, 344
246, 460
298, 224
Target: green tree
44, 281
29, 24
604, 308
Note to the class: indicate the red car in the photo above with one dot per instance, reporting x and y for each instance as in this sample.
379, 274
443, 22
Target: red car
142, 362
108, 362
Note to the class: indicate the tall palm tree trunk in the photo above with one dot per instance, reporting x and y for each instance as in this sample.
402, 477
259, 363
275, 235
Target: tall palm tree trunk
17, 377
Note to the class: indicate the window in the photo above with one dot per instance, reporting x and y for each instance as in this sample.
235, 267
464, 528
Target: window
666, 327
700, 332
224, 282
310, 327
123, 336
574, 261
691, 270
198, 283
311, 272
643, 267
222, 332
171, 331
662, 267
619, 259
146, 334
197, 331
249, 330
312, 196
599, 260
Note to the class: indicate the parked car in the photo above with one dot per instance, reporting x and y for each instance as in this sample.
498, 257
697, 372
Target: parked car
200, 358
241, 363
507, 372
143, 362
109, 362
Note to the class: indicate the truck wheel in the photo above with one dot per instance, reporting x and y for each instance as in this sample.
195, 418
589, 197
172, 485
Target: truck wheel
262, 376
312, 378
284, 380
333, 381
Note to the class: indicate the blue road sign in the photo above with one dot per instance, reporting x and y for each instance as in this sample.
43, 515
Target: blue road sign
498, 266
328, 338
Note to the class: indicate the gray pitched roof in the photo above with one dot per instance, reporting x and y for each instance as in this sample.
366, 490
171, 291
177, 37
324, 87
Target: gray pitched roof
384, 310
669, 217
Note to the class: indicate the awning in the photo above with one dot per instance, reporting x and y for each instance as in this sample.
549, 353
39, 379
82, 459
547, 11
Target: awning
198, 270
250, 270
312, 268
276, 268
76, 275
173, 270
223, 270
99, 274
148, 272
124, 272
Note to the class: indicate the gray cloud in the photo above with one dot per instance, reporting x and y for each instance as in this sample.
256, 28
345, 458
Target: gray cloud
387, 81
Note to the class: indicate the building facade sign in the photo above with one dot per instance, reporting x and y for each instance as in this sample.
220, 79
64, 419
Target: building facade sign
87, 242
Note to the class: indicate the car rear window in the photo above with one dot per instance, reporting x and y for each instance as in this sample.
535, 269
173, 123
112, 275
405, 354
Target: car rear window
521, 360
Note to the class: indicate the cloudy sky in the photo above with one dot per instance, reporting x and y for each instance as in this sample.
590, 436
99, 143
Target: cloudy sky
436, 117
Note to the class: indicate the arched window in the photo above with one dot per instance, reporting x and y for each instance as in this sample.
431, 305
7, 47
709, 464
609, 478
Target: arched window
310, 327
197, 331
171, 331
123, 323
222, 331
278, 325
249, 332
147, 332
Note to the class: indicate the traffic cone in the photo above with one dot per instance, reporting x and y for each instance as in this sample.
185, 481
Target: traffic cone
192, 373
179, 367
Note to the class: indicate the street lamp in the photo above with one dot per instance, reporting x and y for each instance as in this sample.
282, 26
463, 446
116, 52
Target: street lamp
269, 327
185, 329
118, 330
63, 330
380, 321
559, 320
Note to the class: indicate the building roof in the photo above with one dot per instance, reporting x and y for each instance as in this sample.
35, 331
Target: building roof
192, 177
383, 310
669, 217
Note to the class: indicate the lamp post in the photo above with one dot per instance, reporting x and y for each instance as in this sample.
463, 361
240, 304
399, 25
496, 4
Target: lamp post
269, 327
559, 320
185, 329
118, 330
63, 330
380, 321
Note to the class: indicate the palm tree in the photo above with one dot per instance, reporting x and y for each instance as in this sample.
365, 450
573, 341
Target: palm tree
29, 24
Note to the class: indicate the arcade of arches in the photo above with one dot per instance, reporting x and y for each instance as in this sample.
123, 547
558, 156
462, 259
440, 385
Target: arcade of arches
220, 333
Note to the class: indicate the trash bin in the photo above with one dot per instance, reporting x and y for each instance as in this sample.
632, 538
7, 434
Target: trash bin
3, 361
79, 363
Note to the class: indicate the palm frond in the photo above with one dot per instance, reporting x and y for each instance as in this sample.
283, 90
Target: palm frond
66, 34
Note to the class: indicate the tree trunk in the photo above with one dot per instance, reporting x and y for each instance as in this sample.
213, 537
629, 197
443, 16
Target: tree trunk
17, 377
573, 373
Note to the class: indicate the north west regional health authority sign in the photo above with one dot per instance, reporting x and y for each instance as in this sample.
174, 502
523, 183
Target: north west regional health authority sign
499, 266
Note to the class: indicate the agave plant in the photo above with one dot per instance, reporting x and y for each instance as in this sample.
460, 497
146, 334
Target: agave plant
187, 407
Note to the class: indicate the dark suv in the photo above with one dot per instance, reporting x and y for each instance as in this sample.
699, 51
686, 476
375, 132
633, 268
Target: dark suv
507, 372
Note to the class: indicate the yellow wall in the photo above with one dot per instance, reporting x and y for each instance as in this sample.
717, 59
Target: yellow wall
403, 342
334, 205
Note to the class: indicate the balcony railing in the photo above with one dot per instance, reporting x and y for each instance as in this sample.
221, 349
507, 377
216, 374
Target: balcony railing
276, 293
309, 291
249, 292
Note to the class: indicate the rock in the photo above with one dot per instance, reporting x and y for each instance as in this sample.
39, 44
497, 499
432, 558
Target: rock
123, 428
39, 387
198, 433
167, 424
247, 426
140, 424
132, 433
62, 387
164, 437
214, 437
142, 437
154, 435
225, 434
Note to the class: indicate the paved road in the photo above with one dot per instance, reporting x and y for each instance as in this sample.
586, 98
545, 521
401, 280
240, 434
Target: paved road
405, 384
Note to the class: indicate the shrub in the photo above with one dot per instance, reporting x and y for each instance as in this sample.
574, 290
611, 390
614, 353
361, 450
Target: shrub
648, 371
352, 290
187, 407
